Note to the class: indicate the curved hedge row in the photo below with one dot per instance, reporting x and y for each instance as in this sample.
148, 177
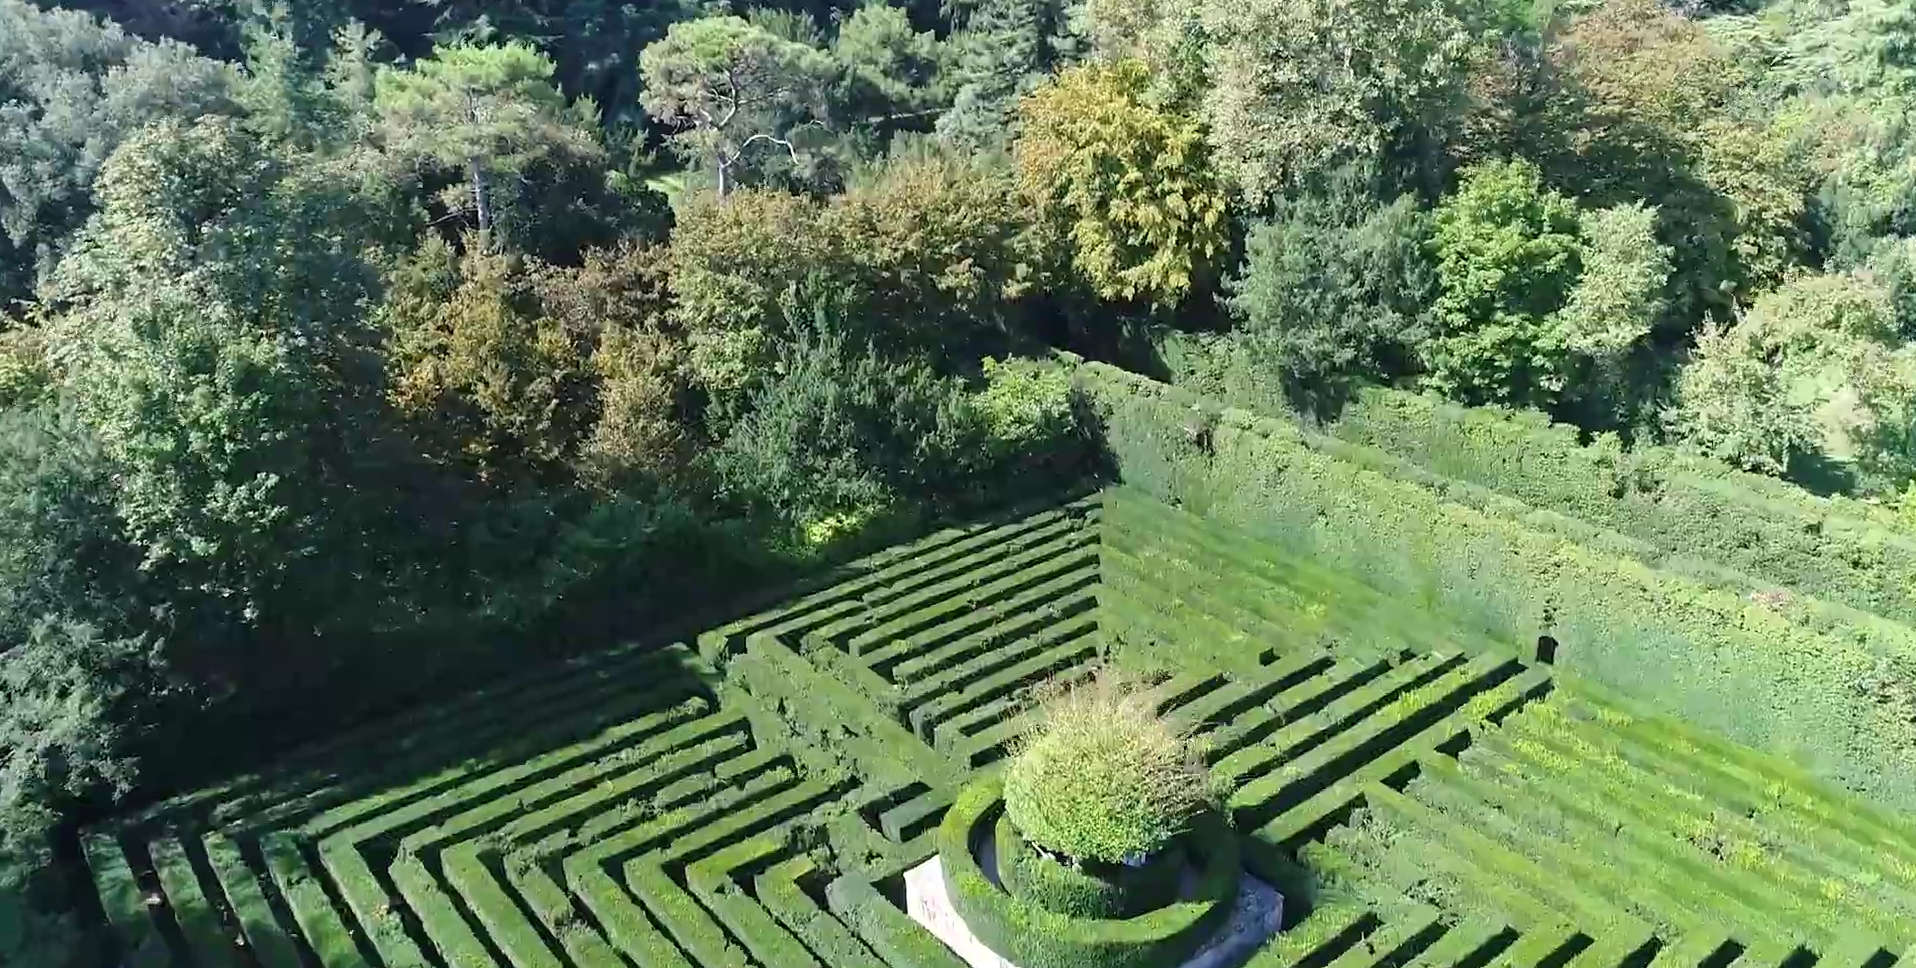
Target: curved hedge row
1688, 509
1033, 937
1055, 886
1841, 708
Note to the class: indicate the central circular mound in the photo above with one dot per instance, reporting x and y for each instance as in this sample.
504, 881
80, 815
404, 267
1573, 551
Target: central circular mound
1101, 849
1033, 934
1088, 889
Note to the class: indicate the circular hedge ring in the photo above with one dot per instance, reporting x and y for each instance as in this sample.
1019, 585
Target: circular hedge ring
1025, 932
1093, 890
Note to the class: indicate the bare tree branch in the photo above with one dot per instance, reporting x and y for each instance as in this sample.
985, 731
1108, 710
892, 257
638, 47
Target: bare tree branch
781, 142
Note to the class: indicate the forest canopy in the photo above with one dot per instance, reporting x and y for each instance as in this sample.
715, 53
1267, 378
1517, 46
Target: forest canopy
334, 333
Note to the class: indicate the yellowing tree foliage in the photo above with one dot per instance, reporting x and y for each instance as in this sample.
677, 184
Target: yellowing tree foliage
482, 371
1127, 184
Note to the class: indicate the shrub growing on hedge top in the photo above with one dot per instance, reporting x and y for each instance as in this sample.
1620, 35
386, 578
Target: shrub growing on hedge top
1103, 777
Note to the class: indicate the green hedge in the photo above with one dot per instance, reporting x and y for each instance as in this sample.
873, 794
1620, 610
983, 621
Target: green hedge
682, 917
1842, 707
269, 943
623, 922
896, 938
934, 719
1329, 760
645, 783
936, 578
960, 662
438, 915
1036, 938
953, 599
207, 939
319, 923
870, 737
990, 623
778, 890
554, 909
1693, 512
491, 804
123, 901
711, 879
504, 924
1106, 891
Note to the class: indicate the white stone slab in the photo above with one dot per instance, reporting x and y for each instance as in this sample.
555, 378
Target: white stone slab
1255, 916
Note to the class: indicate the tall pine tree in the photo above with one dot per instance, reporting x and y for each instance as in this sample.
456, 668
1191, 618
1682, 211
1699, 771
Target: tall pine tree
1005, 48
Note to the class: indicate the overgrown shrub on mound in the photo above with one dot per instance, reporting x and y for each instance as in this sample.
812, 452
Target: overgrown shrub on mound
1103, 777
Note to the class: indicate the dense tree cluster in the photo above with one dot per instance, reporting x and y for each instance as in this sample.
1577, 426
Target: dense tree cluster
333, 334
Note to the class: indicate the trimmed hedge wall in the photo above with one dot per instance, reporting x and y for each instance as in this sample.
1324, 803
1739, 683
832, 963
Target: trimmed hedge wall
1685, 507
1036, 938
1691, 512
891, 934
1841, 706
1103, 891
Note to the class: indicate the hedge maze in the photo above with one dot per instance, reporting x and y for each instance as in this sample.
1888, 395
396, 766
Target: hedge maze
1422, 794
1576, 813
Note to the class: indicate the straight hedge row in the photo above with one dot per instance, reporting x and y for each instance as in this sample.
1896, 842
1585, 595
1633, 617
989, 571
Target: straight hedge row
1314, 817
208, 941
270, 945
1845, 710
366, 784
315, 773
848, 587
1832, 861
354, 776
933, 581
1877, 631
477, 786
123, 902
1321, 765
687, 811
778, 889
896, 938
436, 806
319, 922
1636, 830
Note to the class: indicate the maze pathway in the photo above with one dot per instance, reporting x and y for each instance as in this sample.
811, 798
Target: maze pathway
1422, 795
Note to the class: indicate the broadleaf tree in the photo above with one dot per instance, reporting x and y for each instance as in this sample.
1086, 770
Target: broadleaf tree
1507, 253
71, 89
1813, 378
1302, 86
1127, 184
1336, 286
